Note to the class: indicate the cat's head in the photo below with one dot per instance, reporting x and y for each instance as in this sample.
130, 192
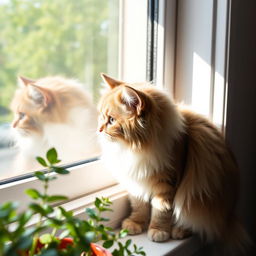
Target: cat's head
50, 101
125, 113
31, 105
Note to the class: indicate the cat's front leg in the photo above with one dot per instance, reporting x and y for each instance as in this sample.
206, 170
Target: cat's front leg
162, 225
161, 219
137, 222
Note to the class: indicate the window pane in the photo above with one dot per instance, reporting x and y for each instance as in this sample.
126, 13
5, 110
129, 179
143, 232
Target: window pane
44, 38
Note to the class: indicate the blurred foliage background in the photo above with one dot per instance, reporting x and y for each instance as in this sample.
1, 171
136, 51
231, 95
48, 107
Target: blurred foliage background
74, 38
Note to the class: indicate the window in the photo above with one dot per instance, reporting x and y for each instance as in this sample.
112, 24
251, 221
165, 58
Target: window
74, 39
192, 64
49, 38
187, 56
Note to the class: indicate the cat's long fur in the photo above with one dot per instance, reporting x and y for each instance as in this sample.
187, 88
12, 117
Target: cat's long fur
53, 112
180, 174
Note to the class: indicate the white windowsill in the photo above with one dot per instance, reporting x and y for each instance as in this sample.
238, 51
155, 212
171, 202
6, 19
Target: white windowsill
185, 247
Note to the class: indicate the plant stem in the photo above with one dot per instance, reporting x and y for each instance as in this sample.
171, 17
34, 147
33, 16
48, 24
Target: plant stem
36, 236
54, 231
33, 248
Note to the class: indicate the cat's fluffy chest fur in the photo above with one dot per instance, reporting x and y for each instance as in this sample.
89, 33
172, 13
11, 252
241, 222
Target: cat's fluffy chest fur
131, 169
73, 140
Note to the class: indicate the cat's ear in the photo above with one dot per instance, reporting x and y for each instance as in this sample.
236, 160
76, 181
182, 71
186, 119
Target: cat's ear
41, 96
111, 82
23, 81
133, 99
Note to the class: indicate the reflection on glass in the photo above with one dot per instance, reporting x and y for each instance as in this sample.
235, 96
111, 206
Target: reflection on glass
51, 42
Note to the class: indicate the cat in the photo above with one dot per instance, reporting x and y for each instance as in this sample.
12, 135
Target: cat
180, 175
53, 112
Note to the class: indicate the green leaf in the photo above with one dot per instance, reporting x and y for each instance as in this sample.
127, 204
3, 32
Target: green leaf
4, 213
104, 209
45, 239
87, 226
41, 161
40, 175
53, 222
89, 236
107, 244
52, 156
123, 233
104, 236
121, 248
24, 242
97, 202
38, 209
66, 214
55, 198
60, 170
48, 209
33, 193
9, 206
7, 210
91, 213
128, 243
25, 217
106, 201
128, 251
49, 252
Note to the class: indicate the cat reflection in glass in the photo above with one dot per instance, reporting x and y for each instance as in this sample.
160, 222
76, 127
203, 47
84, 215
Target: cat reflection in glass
53, 112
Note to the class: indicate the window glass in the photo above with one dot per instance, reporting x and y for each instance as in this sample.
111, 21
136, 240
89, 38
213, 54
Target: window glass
57, 49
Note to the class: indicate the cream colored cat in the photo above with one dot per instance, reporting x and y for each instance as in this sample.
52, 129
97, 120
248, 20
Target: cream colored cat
180, 175
53, 112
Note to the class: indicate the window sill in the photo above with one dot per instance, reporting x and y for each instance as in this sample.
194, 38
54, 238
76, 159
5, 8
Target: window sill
188, 246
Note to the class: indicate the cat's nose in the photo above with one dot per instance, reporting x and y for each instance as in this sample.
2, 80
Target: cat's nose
101, 129
14, 123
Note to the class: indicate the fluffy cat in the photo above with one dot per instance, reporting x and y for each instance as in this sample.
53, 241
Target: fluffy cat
180, 175
53, 112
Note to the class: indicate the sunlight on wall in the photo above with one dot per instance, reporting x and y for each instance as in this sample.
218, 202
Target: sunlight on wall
201, 83
202, 98
219, 98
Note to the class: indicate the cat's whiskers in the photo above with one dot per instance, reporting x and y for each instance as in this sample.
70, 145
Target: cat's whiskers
107, 136
22, 132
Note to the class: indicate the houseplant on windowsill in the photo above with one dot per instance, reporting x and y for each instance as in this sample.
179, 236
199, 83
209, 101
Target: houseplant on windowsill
68, 235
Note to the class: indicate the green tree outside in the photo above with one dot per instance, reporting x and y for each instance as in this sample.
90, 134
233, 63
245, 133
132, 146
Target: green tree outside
74, 38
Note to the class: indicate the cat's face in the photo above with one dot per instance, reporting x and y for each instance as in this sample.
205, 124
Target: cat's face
29, 106
123, 115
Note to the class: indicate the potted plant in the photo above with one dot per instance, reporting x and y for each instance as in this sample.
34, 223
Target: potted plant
58, 232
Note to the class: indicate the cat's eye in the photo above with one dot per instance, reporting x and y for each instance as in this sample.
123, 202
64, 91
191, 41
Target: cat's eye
21, 115
111, 120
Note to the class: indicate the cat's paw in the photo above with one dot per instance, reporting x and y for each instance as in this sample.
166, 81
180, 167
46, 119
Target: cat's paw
132, 227
157, 235
178, 233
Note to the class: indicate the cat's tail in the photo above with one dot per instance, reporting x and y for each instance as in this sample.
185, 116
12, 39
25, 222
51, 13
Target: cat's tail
206, 197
